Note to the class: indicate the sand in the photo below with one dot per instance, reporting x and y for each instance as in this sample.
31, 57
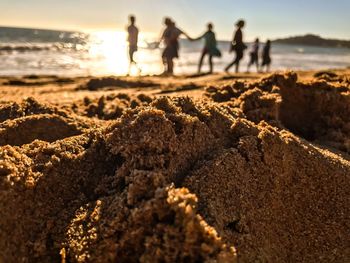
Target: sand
207, 168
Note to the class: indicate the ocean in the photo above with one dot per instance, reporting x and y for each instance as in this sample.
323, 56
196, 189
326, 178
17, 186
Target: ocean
47, 52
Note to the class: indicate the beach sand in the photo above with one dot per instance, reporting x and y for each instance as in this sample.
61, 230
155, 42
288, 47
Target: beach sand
201, 168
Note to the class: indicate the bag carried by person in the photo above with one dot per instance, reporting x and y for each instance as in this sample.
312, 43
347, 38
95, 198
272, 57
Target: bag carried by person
216, 53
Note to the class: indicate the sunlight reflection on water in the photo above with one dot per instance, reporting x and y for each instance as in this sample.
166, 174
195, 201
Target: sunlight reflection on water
106, 53
109, 51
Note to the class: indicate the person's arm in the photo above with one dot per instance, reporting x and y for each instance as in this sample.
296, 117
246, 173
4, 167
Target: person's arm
179, 32
233, 43
161, 38
186, 35
198, 38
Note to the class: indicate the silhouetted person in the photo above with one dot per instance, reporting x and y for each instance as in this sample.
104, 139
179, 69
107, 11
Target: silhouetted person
133, 35
171, 36
266, 58
210, 48
237, 46
254, 55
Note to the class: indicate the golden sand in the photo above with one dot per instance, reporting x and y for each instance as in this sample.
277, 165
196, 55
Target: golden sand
222, 169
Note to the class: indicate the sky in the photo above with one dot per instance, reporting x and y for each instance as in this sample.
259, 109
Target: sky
265, 18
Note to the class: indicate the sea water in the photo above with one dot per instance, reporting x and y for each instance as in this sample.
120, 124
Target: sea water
46, 52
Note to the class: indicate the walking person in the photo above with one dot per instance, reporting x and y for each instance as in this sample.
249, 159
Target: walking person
133, 35
237, 46
254, 56
210, 48
170, 37
266, 57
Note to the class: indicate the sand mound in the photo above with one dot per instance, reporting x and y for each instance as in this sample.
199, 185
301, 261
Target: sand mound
283, 200
330, 76
102, 83
79, 173
318, 111
180, 181
170, 89
108, 107
28, 107
42, 127
33, 80
28, 121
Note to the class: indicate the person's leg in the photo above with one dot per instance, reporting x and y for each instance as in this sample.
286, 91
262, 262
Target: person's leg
170, 66
237, 63
165, 64
201, 62
251, 62
165, 60
233, 63
229, 66
131, 55
211, 64
239, 56
132, 60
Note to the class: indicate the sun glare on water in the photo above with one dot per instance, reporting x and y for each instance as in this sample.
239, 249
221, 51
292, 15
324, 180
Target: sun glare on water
110, 49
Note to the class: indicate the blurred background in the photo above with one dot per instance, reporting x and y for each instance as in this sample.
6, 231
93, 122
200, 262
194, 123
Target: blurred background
88, 37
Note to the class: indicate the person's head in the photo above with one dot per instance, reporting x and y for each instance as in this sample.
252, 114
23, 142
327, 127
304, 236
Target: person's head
168, 21
257, 40
210, 26
268, 42
240, 23
132, 19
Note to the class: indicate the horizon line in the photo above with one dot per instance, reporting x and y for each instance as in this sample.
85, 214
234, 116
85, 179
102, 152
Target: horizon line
92, 30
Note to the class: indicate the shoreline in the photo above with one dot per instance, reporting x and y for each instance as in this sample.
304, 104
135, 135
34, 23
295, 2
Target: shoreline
40, 86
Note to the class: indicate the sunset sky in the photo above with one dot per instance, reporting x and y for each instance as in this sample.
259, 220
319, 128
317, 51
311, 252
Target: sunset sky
266, 19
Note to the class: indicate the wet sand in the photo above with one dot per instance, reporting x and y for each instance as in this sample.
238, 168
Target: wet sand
209, 168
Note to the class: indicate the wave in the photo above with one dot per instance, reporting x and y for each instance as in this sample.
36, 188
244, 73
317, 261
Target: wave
9, 34
32, 47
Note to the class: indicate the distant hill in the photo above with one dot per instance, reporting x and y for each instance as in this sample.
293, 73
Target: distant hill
313, 40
